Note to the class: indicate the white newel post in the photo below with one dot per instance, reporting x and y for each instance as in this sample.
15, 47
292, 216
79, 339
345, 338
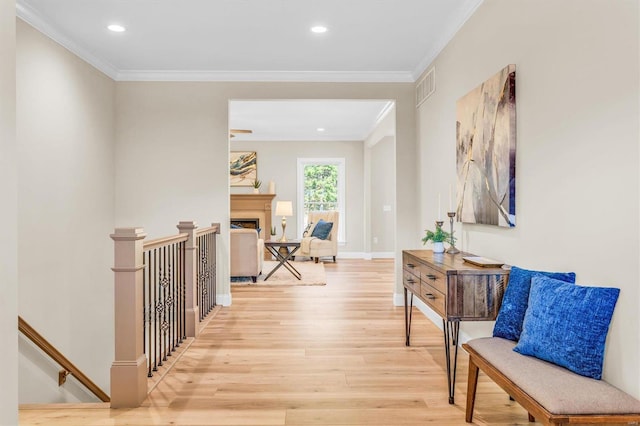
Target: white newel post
192, 310
129, 369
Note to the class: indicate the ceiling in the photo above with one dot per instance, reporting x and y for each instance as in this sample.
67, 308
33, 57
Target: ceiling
260, 40
299, 120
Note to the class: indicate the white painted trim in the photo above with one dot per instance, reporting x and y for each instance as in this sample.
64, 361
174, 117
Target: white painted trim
383, 114
31, 17
269, 76
223, 299
398, 299
383, 255
468, 9
366, 255
353, 255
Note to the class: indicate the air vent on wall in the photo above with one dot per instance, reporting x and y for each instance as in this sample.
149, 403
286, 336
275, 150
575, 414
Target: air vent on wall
426, 87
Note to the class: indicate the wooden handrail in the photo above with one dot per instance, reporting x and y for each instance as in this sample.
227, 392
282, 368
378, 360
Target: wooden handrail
215, 228
48, 348
165, 241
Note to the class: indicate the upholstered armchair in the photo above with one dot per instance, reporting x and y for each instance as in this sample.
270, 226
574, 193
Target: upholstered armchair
247, 253
315, 247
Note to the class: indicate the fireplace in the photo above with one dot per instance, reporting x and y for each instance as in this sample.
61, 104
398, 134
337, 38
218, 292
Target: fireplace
246, 223
255, 208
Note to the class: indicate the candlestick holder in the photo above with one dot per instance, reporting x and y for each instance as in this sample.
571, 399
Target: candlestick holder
452, 249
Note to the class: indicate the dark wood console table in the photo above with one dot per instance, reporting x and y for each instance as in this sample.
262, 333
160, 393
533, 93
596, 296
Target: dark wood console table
455, 290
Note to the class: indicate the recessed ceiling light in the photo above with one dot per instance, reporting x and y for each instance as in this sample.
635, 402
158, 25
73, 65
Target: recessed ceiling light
116, 28
320, 129
319, 29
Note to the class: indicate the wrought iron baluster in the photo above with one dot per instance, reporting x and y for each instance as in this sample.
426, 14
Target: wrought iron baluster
215, 266
198, 283
154, 310
171, 346
183, 292
163, 303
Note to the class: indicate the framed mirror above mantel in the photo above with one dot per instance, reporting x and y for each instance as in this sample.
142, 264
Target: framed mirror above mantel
252, 206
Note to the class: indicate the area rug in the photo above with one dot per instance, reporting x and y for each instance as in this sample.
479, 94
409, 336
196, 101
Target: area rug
312, 274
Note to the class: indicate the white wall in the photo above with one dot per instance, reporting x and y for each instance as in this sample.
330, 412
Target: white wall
380, 188
8, 217
278, 161
383, 197
65, 129
577, 199
172, 151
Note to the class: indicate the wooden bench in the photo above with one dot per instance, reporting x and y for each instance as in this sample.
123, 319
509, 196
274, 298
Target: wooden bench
551, 394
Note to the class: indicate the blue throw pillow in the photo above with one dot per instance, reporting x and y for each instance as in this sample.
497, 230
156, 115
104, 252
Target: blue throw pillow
234, 226
567, 324
514, 303
322, 229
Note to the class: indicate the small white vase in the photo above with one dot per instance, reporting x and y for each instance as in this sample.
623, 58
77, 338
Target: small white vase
256, 191
438, 247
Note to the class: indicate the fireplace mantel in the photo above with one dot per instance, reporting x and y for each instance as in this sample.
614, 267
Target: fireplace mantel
245, 206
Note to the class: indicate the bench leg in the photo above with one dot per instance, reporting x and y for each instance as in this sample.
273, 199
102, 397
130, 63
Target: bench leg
472, 384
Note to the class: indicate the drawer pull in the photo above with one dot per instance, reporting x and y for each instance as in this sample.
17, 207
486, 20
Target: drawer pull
411, 265
410, 280
432, 277
429, 296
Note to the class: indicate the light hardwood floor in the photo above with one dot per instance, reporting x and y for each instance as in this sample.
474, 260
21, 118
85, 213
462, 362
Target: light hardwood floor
313, 355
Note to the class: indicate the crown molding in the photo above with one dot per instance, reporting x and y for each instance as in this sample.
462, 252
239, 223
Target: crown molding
31, 17
467, 10
270, 76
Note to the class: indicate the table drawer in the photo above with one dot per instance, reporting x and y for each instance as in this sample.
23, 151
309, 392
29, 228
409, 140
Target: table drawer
411, 282
409, 265
434, 278
433, 298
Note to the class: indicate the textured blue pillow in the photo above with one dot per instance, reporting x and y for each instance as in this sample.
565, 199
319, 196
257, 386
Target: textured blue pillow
322, 229
514, 303
234, 226
567, 324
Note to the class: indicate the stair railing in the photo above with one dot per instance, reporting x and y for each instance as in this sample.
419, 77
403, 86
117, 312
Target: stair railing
162, 292
68, 367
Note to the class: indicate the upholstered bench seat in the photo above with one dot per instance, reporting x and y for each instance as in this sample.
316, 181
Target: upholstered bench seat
558, 391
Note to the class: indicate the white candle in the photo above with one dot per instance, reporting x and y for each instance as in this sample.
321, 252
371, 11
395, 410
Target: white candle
450, 203
439, 209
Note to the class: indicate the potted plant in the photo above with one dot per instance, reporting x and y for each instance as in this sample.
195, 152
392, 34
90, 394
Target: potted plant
256, 186
438, 237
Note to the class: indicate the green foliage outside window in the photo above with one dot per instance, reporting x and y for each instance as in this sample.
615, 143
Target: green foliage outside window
320, 187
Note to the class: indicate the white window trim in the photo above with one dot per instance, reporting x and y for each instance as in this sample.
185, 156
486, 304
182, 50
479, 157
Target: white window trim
340, 162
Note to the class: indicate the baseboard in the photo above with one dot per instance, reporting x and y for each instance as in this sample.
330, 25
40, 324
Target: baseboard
223, 299
351, 255
366, 255
383, 255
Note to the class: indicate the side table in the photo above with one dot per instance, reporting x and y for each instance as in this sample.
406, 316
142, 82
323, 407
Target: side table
283, 258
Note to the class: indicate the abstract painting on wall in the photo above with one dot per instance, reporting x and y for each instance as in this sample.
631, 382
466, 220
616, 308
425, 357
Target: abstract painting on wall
243, 168
486, 152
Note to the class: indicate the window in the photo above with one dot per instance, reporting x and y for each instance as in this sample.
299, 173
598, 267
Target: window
321, 187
